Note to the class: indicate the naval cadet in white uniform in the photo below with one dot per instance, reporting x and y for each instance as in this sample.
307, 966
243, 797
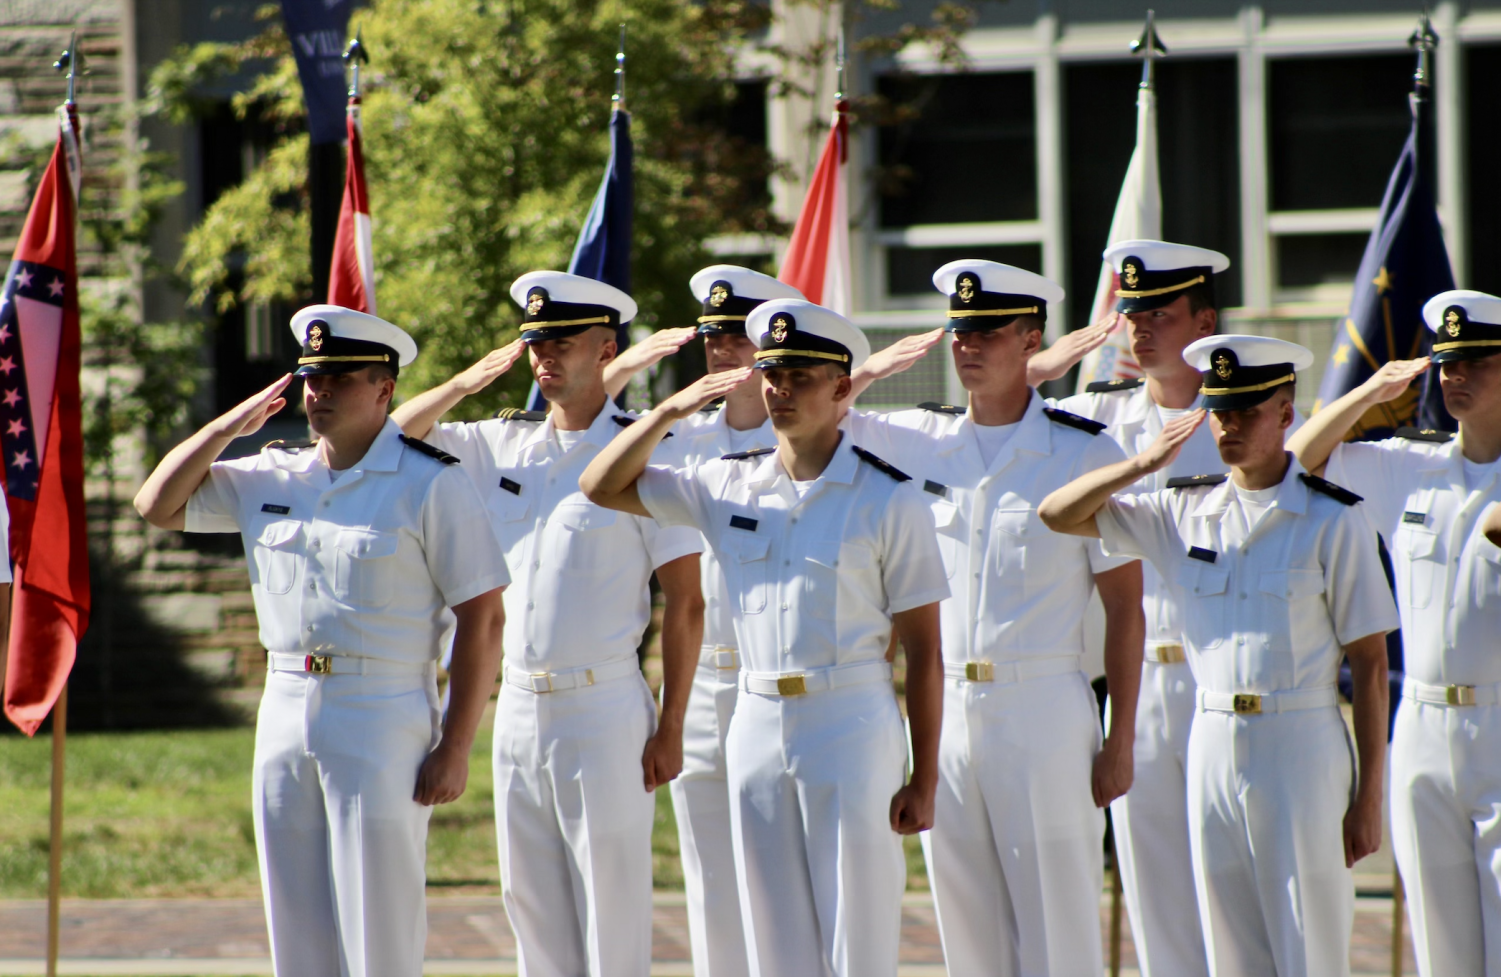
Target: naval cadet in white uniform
1015, 856
1426, 492
1279, 578
356, 545
579, 746
826, 549
700, 794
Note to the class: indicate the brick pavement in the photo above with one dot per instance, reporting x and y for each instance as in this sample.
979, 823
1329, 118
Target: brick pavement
466, 935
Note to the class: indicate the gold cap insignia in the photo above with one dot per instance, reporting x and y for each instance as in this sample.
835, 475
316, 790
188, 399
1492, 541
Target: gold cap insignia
1222, 365
781, 325
315, 337
535, 301
967, 288
1451, 322
1131, 273
719, 294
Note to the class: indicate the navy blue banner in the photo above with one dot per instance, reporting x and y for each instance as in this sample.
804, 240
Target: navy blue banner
317, 30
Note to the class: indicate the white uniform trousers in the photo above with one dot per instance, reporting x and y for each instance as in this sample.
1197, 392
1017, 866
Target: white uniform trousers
1015, 857
1446, 833
1151, 830
1267, 798
573, 823
342, 844
701, 802
821, 872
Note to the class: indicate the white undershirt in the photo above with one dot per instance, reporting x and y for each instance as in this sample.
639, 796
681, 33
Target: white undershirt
803, 487
993, 438
567, 439
739, 439
1255, 502
1477, 474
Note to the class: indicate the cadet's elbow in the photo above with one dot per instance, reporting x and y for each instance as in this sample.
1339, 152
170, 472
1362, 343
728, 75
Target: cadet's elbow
148, 505
1051, 514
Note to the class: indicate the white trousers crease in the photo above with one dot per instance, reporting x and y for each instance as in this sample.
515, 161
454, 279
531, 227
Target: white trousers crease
1015, 857
701, 803
573, 827
1446, 834
1267, 798
342, 844
821, 872
1151, 830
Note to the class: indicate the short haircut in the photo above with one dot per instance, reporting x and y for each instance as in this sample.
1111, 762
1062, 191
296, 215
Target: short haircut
1201, 297
1029, 323
380, 371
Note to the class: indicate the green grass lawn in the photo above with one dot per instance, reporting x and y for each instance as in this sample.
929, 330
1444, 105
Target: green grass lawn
167, 814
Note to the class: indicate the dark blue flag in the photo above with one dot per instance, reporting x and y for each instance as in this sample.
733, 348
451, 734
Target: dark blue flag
603, 251
316, 29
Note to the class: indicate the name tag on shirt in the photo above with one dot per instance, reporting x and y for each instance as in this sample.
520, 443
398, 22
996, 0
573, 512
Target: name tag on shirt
743, 522
937, 488
279, 510
1200, 553
1416, 518
513, 487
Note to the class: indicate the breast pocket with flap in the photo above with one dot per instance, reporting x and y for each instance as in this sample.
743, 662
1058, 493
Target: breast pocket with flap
582, 537
366, 567
1206, 616
749, 569
1418, 548
277, 553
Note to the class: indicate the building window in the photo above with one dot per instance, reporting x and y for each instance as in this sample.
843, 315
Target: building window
1482, 108
260, 339
909, 271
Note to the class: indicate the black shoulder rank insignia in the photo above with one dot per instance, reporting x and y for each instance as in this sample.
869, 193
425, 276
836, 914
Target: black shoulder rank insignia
624, 421
742, 455
1335, 492
517, 414
1111, 386
938, 408
1073, 420
1425, 434
711, 407
429, 450
1194, 481
281, 445
882, 465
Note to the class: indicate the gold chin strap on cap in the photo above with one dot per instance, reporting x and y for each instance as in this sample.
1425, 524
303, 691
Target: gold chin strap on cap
969, 313
313, 360
721, 318
816, 354
599, 320
1224, 391
1441, 347
1147, 293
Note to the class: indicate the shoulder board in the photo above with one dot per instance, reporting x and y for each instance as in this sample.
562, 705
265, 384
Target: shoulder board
711, 407
281, 445
1194, 481
882, 465
430, 450
742, 455
624, 421
517, 414
941, 408
1073, 420
1335, 492
1425, 434
1112, 386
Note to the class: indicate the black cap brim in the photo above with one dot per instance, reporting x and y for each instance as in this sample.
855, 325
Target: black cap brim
1239, 401
792, 360
1459, 353
543, 333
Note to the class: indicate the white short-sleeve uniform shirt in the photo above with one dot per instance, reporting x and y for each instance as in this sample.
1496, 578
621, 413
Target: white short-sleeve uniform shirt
1267, 605
1419, 496
580, 571
1019, 589
364, 564
815, 576
5, 575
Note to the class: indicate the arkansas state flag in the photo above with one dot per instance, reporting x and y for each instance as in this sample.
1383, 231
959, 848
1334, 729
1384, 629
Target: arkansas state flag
351, 277
817, 262
41, 437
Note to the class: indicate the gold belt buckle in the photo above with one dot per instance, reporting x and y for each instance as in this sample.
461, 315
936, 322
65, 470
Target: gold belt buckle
1169, 654
979, 671
1460, 695
1247, 704
720, 653
536, 675
319, 664
792, 685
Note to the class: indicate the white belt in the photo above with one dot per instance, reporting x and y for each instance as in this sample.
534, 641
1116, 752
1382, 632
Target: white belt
814, 679
1452, 695
277, 661
1255, 703
571, 678
1164, 653
1009, 673
721, 657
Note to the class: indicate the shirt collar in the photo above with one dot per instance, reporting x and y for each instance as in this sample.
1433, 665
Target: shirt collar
1292, 493
385, 451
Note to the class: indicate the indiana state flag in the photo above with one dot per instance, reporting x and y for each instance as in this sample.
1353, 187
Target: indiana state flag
1405, 264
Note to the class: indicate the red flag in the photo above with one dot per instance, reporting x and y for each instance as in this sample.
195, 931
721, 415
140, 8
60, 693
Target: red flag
41, 437
351, 278
817, 262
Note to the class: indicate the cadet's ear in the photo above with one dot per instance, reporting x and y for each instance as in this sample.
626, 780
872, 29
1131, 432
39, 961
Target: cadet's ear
843, 386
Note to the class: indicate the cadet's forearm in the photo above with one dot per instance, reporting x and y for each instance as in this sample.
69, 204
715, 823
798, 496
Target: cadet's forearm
682, 636
475, 663
613, 472
1368, 673
919, 633
417, 416
163, 499
1320, 434
1125, 633
1071, 509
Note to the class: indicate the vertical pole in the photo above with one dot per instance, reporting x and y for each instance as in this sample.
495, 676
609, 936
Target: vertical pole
55, 844
1115, 911
1399, 917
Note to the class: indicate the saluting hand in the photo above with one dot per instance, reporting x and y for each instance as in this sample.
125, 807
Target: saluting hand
706, 389
1175, 433
900, 355
654, 348
1392, 379
250, 414
1059, 358
494, 364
